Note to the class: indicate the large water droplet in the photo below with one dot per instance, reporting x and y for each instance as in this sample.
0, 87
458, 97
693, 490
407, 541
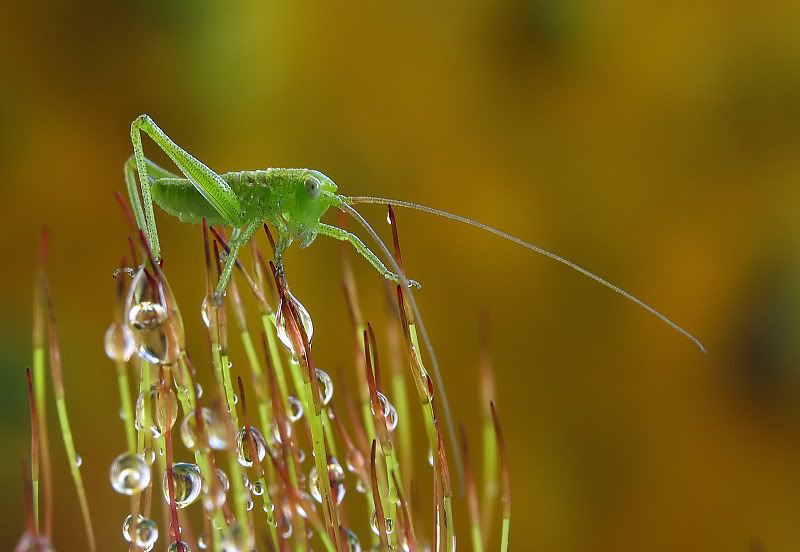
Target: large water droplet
305, 321
146, 315
335, 477
351, 540
202, 542
325, 386
188, 484
163, 410
373, 523
295, 408
145, 534
215, 435
119, 343
129, 474
243, 446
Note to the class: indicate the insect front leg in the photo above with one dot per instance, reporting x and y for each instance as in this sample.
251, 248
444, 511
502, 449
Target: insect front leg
239, 237
364, 251
212, 187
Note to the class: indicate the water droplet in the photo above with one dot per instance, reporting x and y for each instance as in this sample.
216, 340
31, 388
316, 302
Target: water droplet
430, 456
129, 474
389, 412
301, 455
149, 456
202, 543
235, 540
305, 321
126, 526
249, 503
299, 506
354, 460
295, 408
246, 482
335, 477
326, 386
28, 542
215, 498
243, 446
160, 410
216, 436
235, 399
360, 486
146, 315
286, 524
119, 343
179, 546
350, 538
204, 312
145, 534
198, 391
258, 488
188, 484
373, 523
78, 461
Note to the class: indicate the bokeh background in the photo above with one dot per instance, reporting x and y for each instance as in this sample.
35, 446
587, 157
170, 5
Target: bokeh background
655, 143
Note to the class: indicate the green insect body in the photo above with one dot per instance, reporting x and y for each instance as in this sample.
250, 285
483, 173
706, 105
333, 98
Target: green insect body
292, 200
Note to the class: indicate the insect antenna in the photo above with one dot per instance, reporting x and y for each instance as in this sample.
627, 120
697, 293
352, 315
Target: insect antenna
343, 205
535, 248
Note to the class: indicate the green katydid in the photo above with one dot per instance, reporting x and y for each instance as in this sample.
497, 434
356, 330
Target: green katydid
293, 201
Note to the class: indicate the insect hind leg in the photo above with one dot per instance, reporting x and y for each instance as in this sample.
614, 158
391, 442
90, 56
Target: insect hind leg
212, 187
153, 172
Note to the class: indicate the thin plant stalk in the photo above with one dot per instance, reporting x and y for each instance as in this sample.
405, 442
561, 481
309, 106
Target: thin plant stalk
268, 506
501, 447
41, 468
472, 495
313, 409
63, 418
490, 459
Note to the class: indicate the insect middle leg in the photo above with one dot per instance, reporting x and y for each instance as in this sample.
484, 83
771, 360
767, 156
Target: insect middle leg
364, 251
212, 187
239, 237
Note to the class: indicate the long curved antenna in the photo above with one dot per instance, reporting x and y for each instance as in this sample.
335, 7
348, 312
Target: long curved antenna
437, 376
532, 247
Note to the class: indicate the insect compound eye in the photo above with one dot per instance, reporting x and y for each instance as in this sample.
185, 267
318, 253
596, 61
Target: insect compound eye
312, 187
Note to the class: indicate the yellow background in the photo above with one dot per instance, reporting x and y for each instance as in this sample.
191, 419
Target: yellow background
658, 145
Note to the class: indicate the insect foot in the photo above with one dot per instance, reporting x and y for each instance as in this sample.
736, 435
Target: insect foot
409, 283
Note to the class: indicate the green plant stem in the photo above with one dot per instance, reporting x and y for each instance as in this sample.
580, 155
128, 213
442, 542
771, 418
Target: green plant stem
69, 445
125, 401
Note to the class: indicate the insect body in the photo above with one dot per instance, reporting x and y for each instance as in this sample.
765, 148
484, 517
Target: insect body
292, 200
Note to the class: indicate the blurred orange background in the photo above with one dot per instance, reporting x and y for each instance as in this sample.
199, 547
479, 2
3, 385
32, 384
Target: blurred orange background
654, 144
